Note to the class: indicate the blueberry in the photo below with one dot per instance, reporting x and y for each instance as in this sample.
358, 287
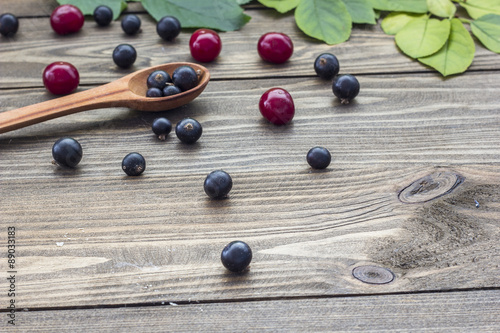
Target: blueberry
185, 78
154, 92
131, 24
134, 164
319, 158
8, 25
161, 127
168, 28
236, 256
124, 55
345, 87
103, 15
67, 152
188, 130
158, 79
218, 184
170, 90
326, 66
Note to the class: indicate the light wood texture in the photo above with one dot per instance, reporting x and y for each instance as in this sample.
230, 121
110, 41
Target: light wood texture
474, 311
129, 91
413, 188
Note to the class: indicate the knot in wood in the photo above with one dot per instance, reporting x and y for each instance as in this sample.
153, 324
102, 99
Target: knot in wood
430, 187
373, 274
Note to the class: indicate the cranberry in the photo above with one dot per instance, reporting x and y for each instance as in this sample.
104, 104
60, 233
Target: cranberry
60, 78
276, 105
205, 45
275, 47
66, 19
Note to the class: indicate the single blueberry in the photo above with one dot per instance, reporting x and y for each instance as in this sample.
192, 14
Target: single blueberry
8, 24
168, 28
326, 66
345, 87
236, 256
188, 130
67, 152
154, 92
170, 90
218, 184
319, 158
161, 127
133, 164
185, 78
124, 55
158, 79
131, 24
103, 15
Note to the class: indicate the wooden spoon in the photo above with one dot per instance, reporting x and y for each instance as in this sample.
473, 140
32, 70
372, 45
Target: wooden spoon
129, 91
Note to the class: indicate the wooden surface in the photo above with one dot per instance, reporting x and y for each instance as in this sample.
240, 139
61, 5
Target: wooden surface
414, 188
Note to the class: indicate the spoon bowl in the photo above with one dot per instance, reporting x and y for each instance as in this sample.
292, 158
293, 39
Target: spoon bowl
129, 91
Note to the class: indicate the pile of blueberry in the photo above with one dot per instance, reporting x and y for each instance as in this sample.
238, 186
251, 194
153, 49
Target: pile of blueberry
160, 84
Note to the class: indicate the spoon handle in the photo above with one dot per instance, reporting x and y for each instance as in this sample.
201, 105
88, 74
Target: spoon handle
111, 94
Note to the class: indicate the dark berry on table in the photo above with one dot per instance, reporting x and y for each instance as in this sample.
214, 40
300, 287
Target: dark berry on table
134, 164
8, 25
103, 15
188, 130
124, 55
67, 152
168, 28
218, 184
236, 256
66, 19
275, 47
276, 105
319, 158
61, 78
170, 90
205, 45
185, 77
326, 66
345, 87
161, 127
158, 79
131, 24
154, 92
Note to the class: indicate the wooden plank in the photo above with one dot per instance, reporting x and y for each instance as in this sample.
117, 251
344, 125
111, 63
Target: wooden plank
92, 236
473, 311
35, 46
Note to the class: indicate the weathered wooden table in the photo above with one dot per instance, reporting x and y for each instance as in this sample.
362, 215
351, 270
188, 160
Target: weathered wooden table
410, 203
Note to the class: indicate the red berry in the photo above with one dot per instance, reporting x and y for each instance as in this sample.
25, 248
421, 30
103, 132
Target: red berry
205, 45
60, 78
66, 19
276, 105
275, 47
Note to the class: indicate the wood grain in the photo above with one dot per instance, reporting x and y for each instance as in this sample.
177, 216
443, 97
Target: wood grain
369, 51
474, 311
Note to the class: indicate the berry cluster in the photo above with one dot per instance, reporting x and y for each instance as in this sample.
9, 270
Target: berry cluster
160, 84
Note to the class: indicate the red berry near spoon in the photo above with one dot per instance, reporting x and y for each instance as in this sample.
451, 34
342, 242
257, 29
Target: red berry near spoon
61, 78
276, 105
205, 45
275, 47
66, 19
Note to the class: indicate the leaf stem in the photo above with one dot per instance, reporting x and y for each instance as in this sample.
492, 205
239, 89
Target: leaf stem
464, 20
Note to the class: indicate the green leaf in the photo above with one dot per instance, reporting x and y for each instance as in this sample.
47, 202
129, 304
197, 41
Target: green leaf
412, 6
394, 22
242, 2
87, 6
361, 11
456, 55
224, 15
487, 30
281, 6
327, 20
478, 8
423, 37
442, 8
